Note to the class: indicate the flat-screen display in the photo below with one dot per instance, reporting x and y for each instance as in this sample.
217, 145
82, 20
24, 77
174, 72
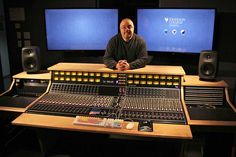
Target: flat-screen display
80, 29
176, 30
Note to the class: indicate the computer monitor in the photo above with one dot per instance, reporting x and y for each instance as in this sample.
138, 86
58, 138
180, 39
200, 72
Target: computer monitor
80, 29
176, 30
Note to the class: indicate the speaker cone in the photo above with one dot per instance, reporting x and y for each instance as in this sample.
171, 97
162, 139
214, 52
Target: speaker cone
30, 63
207, 69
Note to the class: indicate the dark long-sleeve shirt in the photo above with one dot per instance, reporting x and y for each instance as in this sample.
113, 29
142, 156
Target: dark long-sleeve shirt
134, 51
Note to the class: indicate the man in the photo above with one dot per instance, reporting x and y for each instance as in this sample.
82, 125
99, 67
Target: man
126, 50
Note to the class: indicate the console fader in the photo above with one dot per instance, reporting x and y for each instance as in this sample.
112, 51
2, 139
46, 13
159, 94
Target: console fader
106, 93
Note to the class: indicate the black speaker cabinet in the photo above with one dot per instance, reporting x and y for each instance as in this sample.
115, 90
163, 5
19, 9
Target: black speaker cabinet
208, 65
31, 59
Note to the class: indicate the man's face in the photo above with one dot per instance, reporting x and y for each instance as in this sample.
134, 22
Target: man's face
126, 29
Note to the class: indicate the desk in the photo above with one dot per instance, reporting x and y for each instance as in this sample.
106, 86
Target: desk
187, 80
66, 123
168, 131
70, 70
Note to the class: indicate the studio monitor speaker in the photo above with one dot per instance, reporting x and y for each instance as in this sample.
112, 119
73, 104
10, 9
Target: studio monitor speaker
31, 59
208, 65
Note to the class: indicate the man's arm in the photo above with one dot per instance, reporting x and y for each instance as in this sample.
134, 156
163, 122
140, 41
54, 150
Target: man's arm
142, 56
108, 58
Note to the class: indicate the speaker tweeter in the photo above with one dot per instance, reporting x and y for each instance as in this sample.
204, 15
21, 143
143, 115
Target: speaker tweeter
208, 65
31, 59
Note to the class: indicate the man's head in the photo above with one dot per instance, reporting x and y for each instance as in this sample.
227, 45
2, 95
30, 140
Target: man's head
126, 29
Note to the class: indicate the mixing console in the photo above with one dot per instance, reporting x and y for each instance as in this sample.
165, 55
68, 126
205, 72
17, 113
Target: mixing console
94, 91
156, 109
134, 103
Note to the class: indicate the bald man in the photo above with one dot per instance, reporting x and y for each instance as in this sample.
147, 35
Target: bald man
126, 50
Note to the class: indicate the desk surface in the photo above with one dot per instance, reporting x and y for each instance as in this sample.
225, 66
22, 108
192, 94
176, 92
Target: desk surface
149, 69
193, 80
40, 75
66, 123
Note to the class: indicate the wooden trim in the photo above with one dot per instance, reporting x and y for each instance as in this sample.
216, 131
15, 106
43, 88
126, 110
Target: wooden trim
12, 109
184, 105
212, 123
9, 89
66, 123
49, 85
149, 69
42, 76
228, 100
192, 80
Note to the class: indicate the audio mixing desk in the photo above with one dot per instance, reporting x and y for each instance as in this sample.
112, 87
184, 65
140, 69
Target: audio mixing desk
92, 90
163, 95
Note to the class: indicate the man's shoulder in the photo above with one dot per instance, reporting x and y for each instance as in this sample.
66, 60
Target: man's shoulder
115, 38
139, 38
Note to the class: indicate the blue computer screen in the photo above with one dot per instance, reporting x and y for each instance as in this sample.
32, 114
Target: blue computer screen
80, 29
176, 30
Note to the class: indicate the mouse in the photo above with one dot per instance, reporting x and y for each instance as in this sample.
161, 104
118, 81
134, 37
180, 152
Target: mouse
130, 125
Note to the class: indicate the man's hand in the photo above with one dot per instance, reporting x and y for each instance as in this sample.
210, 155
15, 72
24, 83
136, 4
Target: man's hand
122, 65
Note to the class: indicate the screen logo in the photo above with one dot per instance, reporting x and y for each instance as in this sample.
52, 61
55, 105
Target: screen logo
174, 21
166, 19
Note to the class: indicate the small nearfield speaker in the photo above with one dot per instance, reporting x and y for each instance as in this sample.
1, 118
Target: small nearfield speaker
31, 59
208, 65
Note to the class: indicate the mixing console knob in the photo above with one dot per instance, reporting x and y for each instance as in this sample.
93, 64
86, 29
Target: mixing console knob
133, 115
154, 116
103, 112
